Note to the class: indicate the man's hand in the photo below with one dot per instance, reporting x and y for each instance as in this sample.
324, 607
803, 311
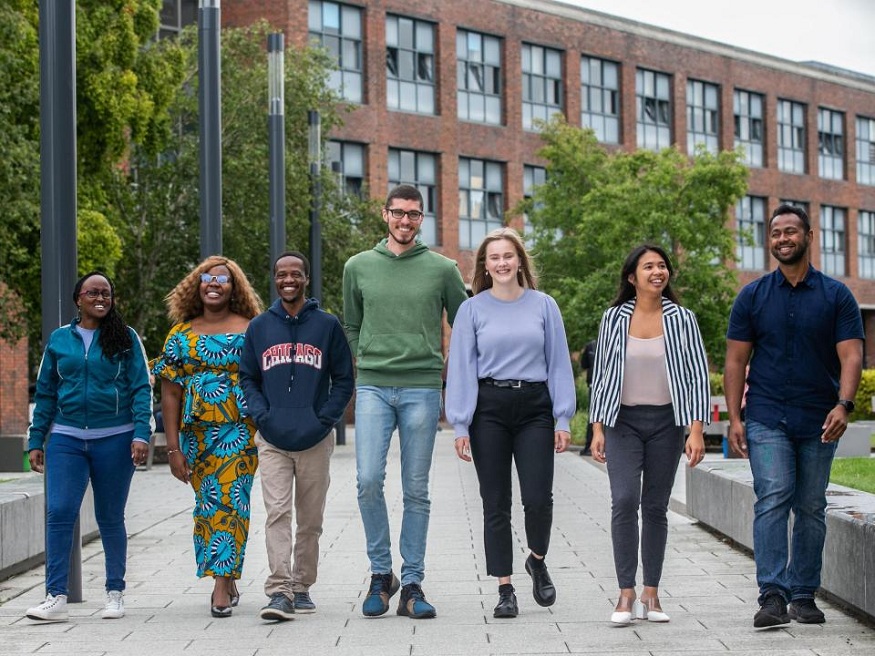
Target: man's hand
737, 439
835, 424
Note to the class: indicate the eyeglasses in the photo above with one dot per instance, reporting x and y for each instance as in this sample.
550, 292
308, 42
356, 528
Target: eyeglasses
221, 279
398, 213
294, 275
94, 293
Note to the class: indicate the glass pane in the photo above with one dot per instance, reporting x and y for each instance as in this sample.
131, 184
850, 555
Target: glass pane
424, 37
477, 176
463, 203
612, 75
405, 33
408, 163
350, 55
426, 99
478, 232
314, 16
393, 99
462, 105
407, 92
354, 160
493, 176
492, 53
330, 17
352, 22
477, 107
554, 64
427, 172
493, 110
352, 87
394, 167
462, 44
464, 172
475, 47
662, 87
476, 204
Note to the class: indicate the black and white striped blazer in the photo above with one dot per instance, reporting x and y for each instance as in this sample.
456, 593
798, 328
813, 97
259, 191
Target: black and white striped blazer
685, 361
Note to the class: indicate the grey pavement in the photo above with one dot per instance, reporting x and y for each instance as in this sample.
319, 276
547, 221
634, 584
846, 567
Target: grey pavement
708, 587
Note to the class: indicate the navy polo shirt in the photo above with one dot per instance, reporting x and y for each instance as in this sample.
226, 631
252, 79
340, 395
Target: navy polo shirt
794, 370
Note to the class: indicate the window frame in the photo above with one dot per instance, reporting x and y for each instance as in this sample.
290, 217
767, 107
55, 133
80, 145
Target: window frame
704, 110
427, 187
539, 85
472, 229
748, 124
341, 80
408, 89
605, 124
491, 75
653, 127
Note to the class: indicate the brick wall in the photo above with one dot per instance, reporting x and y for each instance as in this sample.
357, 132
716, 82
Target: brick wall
13, 388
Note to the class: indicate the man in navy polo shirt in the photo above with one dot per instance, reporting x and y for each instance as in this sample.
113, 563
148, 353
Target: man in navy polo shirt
806, 335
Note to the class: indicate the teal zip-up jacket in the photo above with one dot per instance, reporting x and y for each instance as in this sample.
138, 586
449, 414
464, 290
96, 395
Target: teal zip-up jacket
88, 390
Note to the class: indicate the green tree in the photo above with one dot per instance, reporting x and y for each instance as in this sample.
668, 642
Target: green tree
596, 206
155, 201
100, 248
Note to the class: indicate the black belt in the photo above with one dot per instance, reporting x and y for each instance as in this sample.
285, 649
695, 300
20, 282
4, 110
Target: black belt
510, 384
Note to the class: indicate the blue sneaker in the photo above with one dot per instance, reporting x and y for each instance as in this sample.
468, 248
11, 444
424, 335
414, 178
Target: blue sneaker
413, 604
303, 603
383, 587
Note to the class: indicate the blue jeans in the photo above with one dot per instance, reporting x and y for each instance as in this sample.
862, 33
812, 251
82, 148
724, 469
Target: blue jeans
790, 472
415, 413
70, 464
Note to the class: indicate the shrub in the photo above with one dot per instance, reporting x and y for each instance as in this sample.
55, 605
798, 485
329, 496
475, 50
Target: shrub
863, 400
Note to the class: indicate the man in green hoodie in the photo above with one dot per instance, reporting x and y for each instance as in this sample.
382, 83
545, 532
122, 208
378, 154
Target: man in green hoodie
394, 297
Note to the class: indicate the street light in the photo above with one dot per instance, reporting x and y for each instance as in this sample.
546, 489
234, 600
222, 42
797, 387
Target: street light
210, 138
315, 152
276, 111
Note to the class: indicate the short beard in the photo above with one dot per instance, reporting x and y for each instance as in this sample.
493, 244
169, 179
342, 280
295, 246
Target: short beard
793, 258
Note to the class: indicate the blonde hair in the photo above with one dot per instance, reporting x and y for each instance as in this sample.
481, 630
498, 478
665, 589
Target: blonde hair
526, 275
184, 301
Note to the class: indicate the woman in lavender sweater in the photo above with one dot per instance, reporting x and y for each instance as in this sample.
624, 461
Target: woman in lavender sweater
510, 398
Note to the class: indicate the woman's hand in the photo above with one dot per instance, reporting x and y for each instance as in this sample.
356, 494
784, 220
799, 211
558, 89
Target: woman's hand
561, 440
37, 461
463, 448
695, 447
179, 466
597, 446
139, 452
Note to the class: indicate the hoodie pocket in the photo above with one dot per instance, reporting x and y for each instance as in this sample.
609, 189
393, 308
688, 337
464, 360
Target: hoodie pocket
291, 428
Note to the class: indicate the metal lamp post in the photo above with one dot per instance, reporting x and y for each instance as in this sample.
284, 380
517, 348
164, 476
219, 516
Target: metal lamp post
210, 106
315, 151
276, 114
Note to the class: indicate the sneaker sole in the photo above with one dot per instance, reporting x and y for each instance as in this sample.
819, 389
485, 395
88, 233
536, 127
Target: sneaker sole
803, 620
113, 615
304, 611
39, 618
275, 615
771, 622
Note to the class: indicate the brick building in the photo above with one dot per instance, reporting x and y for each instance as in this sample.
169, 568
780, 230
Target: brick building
444, 95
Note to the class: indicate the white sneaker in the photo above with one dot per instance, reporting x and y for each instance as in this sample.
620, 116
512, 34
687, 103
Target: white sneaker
53, 609
115, 605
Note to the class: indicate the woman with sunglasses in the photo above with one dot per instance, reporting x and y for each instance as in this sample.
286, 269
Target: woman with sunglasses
210, 436
92, 421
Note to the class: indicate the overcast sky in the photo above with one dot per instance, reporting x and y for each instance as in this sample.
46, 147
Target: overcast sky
837, 32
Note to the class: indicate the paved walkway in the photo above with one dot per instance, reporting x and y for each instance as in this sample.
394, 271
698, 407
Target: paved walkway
708, 588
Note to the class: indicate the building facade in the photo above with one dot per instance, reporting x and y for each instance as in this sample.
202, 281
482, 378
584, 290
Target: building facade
444, 95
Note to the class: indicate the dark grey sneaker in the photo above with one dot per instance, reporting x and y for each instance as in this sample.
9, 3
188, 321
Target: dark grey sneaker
413, 603
303, 603
772, 612
805, 611
383, 587
279, 608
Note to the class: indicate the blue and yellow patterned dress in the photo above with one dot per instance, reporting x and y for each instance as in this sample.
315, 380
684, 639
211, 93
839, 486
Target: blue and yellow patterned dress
217, 437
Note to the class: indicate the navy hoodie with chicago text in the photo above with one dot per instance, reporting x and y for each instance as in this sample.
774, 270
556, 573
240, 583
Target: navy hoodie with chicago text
297, 374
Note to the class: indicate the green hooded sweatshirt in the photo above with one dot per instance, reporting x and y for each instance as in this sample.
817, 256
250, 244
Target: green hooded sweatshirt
392, 311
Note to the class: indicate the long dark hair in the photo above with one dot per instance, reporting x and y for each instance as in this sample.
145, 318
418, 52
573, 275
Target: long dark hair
114, 338
627, 291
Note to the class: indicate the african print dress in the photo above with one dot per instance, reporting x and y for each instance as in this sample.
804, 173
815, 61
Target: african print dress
217, 437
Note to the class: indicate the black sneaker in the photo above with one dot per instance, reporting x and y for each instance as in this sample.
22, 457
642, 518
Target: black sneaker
383, 587
413, 604
805, 611
279, 608
543, 589
507, 606
772, 612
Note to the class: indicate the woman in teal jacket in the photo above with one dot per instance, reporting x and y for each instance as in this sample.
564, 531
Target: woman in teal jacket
92, 422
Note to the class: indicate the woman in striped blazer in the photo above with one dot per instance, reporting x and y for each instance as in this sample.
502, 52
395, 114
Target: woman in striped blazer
650, 382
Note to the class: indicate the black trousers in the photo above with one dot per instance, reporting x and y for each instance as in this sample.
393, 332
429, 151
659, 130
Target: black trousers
513, 425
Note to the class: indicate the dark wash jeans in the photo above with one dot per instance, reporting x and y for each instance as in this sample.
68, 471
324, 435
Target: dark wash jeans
642, 451
70, 464
790, 472
513, 426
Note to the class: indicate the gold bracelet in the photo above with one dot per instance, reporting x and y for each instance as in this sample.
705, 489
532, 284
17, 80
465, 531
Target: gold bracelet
169, 451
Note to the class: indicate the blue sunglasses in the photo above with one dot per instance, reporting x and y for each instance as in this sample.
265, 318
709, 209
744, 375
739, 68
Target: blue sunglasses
221, 279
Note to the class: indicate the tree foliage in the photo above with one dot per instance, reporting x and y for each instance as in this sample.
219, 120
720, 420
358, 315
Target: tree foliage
155, 201
596, 206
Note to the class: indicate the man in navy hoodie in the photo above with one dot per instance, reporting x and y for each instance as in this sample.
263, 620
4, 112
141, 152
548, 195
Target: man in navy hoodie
297, 377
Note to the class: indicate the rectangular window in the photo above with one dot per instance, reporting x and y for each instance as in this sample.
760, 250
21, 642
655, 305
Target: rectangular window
420, 170
791, 136
338, 29
832, 240
533, 176
748, 108
750, 216
347, 160
600, 98
410, 81
703, 112
478, 77
653, 98
481, 200
542, 84
830, 144
175, 15
865, 150
866, 244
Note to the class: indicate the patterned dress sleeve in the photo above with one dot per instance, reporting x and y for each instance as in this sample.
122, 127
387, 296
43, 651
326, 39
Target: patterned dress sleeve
170, 364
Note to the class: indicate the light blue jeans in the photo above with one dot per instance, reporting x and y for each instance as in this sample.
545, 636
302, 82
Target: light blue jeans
789, 473
415, 413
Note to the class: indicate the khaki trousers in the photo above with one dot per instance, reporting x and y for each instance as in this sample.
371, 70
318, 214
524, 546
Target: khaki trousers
300, 478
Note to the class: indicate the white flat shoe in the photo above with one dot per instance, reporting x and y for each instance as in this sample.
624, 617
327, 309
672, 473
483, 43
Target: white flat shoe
648, 610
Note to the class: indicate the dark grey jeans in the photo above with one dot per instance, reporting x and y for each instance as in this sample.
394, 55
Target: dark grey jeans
642, 451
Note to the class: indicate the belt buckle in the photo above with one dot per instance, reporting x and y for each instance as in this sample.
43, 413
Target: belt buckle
516, 384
